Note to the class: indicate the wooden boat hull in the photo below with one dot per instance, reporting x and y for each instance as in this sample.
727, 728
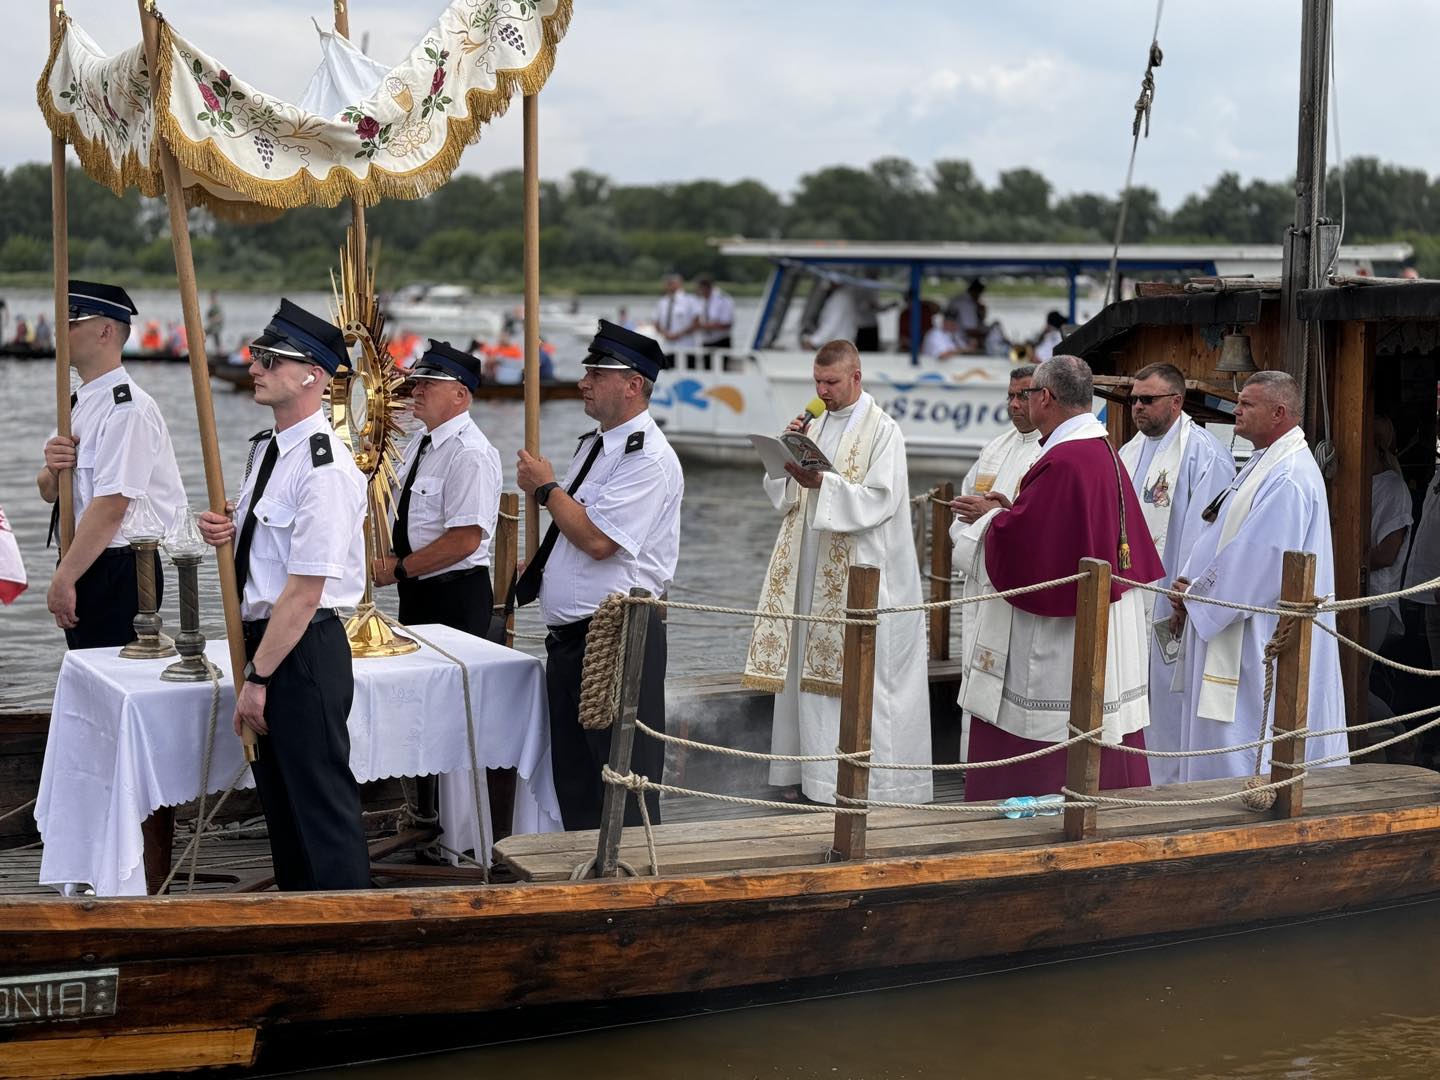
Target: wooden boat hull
204, 969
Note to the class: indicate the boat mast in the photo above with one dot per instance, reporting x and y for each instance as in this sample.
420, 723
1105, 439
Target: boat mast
1311, 239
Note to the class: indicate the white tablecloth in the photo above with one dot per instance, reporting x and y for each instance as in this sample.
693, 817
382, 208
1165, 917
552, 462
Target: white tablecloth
123, 744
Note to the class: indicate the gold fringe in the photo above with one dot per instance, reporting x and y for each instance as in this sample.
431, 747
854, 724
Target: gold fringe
818, 686
762, 683
205, 159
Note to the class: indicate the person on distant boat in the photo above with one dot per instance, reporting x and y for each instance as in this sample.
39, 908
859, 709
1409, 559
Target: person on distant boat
717, 313
615, 525
622, 318
1075, 502
1050, 337
1276, 504
119, 449
858, 514
22, 331
677, 314
929, 309
839, 319
215, 322
969, 311
945, 341
44, 335
1178, 468
151, 340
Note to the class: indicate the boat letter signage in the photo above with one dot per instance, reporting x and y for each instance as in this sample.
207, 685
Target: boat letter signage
70, 995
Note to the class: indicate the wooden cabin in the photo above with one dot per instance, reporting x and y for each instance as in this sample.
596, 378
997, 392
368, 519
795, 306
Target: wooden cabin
1379, 352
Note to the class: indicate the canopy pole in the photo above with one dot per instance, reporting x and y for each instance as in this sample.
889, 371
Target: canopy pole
60, 259
532, 309
199, 373
357, 211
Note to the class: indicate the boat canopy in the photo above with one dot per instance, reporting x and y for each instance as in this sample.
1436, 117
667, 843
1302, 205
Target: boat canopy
837, 260
362, 131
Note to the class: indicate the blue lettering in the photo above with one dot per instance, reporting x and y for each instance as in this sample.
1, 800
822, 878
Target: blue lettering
919, 413
962, 415
897, 407
939, 412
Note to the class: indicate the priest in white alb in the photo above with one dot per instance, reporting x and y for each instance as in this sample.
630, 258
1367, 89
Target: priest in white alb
1276, 504
1177, 468
857, 515
1075, 502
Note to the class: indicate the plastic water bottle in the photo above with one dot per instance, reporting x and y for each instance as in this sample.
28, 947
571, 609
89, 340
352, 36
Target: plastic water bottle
1026, 806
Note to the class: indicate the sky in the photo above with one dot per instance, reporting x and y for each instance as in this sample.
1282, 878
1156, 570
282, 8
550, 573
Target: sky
647, 93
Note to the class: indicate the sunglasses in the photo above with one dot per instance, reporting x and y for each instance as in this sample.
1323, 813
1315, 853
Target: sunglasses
1149, 399
267, 358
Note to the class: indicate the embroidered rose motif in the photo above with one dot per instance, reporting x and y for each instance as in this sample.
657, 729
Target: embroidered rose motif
438, 81
368, 127
211, 101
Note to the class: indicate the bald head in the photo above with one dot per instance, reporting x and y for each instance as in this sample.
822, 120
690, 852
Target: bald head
837, 374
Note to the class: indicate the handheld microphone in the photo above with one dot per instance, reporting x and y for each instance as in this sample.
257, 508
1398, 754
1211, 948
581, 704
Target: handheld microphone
814, 409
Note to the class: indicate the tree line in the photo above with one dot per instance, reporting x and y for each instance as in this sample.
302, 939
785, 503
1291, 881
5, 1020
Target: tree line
597, 234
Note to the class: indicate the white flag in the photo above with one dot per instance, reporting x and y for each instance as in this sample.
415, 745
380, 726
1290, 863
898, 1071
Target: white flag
12, 569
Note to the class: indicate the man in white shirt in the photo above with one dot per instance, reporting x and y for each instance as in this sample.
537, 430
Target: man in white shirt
119, 450
448, 504
839, 319
944, 341
615, 525
969, 311
717, 313
677, 316
300, 554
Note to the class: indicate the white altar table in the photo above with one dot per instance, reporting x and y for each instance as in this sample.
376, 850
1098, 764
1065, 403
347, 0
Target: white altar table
122, 744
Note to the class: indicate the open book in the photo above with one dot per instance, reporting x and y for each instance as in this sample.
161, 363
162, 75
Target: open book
791, 446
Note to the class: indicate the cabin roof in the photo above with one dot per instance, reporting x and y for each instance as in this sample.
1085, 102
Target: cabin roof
1372, 303
1182, 309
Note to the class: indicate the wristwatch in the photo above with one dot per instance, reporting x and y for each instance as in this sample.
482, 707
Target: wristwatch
401, 574
253, 676
542, 493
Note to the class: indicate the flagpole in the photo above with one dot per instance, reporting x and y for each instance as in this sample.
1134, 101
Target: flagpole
60, 258
199, 371
531, 218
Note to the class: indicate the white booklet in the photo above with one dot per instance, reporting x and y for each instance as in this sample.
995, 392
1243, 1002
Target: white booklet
792, 446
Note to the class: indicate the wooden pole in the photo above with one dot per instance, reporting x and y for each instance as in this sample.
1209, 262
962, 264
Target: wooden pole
622, 738
60, 248
1350, 504
940, 570
357, 212
1087, 691
857, 698
1292, 682
506, 550
199, 378
531, 227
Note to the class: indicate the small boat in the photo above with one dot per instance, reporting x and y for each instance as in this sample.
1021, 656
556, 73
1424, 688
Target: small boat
451, 309
237, 377
16, 350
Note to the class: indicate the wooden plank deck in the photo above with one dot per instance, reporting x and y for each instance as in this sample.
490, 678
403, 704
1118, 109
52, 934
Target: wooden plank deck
705, 847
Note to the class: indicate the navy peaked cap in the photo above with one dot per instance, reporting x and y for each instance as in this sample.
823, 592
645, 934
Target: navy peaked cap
292, 327
442, 360
613, 347
94, 298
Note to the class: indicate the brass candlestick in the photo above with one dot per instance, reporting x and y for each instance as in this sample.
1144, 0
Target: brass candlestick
144, 531
186, 548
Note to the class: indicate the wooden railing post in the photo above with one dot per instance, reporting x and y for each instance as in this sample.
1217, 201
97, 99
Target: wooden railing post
1292, 683
503, 555
1087, 692
940, 569
622, 737
857, 697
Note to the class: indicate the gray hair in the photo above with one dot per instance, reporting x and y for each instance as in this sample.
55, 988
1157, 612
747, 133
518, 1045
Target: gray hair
1022, 371
647, 387
1281, 387
1069, 379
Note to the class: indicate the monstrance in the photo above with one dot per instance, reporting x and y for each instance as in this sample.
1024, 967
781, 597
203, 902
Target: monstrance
364, 410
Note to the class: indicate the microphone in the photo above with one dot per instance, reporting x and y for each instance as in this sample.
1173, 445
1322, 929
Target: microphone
814, 409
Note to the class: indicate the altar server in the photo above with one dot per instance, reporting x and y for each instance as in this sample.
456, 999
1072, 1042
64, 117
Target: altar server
1076, 502
1177, 468
1276, 504
858, 515
119, 449
615, 525
449, 501
299, 556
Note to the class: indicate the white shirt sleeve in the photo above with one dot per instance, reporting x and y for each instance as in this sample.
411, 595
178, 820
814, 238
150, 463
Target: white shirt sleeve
129, 446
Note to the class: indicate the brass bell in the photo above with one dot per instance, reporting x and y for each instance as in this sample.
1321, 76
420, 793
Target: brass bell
1235, 355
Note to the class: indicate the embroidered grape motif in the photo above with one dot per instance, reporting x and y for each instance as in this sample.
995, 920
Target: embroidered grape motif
511, 36
266, 148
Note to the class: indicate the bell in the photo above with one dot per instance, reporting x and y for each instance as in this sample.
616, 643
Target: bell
1235, 355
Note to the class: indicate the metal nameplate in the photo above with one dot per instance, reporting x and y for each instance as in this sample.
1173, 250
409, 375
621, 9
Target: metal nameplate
68, 995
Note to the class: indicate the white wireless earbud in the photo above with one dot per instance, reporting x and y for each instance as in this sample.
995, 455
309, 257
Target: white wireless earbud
308, 379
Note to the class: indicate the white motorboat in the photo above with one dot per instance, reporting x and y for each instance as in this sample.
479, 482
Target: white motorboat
449, 309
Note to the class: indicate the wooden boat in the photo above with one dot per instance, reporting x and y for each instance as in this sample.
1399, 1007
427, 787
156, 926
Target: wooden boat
238, 378
19, 351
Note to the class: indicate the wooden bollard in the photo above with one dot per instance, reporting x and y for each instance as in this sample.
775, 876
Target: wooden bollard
1087, 692
940, 569
622, 737
1292, 683
857, 698
504, 555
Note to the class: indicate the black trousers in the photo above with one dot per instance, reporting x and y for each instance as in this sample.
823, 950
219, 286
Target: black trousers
464, 602
576, 755
106, 600
311, 800
867, 339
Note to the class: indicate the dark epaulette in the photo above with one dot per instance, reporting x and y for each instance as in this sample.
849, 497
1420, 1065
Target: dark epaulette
580, 443
320, 449
122, 393
263, 434
636, 441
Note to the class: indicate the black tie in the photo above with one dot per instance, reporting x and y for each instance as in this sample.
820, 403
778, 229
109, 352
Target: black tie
247, 530
400, 535
527, 586
55, 510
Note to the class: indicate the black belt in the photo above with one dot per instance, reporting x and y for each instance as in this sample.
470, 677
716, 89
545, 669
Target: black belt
126, 552
448, 576
570, 631
255, 628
